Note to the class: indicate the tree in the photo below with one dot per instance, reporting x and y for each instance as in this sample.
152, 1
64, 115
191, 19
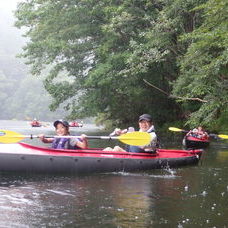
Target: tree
92, 43
101, 52
204, 67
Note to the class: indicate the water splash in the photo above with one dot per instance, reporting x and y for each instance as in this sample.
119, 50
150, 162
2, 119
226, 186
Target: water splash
204, 193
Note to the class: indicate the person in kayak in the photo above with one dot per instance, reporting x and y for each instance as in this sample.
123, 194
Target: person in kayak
62, 129
198, 132
35, 123
145, 125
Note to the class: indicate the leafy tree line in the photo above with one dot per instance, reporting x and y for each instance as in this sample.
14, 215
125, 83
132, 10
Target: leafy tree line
107, 50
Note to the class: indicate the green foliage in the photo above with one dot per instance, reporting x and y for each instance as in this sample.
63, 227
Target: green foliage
91, 41
221, 124
106, 49
204, 66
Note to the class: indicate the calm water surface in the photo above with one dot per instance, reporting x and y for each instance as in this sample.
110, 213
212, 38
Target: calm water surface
195, 196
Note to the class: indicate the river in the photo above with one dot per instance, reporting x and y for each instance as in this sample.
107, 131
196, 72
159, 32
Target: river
195, 196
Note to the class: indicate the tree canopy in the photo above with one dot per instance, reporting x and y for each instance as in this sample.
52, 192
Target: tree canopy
203, 68
99, 53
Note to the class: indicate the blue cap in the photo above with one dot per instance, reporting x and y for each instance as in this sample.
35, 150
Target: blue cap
146, 117
63, 122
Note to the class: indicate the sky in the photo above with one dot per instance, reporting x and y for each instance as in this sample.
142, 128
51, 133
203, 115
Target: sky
7, 8
11, 39
9, 5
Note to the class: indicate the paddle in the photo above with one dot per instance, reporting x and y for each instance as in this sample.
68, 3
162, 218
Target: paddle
177, 129
222, 136
135, 138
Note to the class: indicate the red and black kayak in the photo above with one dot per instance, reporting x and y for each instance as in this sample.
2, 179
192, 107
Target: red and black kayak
21, 157
75, 124
195, 142
36, 124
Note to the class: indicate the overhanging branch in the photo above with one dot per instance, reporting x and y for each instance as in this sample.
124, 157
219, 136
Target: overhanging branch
175, 97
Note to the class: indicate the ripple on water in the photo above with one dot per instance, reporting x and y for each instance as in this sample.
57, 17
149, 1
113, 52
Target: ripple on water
60, 192
171, 174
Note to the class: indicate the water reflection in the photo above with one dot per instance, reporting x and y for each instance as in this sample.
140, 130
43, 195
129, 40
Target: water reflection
106, 200
115, 200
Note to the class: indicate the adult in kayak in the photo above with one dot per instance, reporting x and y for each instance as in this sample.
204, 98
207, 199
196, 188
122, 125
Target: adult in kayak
62, 129
145, 125
198, 133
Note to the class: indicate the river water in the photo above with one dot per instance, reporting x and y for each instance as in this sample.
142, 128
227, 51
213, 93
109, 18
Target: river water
195, 196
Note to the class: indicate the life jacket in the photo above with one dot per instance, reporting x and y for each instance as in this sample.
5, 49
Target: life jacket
151, 130
138, 149
199, 134
60, 143
63, 143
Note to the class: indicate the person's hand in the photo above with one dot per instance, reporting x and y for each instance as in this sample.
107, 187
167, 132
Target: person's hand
41, 137
117, 131
124, 131
83, 136
131, 129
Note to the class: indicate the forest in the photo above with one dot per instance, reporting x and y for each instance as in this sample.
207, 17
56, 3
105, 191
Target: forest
22, 96
117, 59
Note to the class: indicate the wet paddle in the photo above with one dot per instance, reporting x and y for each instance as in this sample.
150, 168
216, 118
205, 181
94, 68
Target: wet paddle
135, 138
222, 136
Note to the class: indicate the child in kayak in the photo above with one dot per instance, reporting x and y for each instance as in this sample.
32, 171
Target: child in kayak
145, 125
62, 129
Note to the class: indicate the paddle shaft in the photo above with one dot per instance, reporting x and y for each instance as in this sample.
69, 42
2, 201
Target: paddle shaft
132, 138
68, 136
76, 136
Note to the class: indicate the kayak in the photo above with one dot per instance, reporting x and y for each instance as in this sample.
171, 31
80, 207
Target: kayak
22, 157
75, 124
36, 124
196, 143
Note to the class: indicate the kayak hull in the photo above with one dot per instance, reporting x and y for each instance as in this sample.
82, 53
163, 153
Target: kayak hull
194, 142
31, 159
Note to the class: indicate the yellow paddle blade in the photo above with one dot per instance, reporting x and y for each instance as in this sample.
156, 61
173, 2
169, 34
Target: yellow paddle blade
175, 129
10, 136
223, 136
135, 138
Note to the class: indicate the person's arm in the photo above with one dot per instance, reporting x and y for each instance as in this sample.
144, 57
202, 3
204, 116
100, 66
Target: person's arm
118, 132
45, 140
83, 144
205, 135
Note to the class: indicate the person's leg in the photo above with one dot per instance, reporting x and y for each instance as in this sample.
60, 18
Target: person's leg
135, 149
117, 148
108, 149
